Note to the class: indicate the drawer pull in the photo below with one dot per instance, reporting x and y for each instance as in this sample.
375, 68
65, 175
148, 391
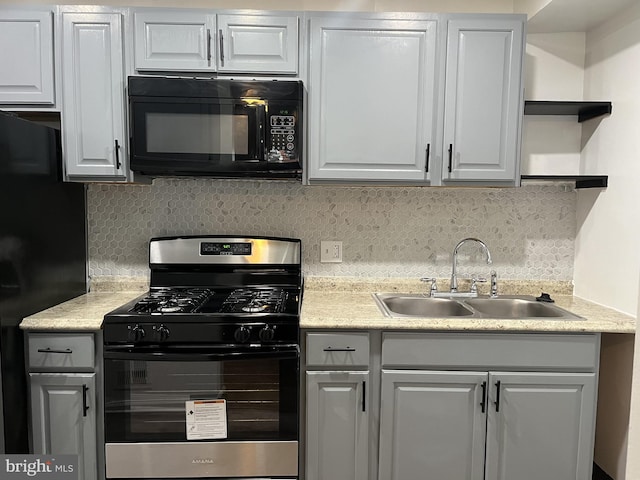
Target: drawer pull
346, 349
51, 350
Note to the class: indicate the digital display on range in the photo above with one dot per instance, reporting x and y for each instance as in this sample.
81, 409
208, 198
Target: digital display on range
212, 248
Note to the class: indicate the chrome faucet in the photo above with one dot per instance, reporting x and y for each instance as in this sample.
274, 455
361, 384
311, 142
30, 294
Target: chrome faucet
454, 269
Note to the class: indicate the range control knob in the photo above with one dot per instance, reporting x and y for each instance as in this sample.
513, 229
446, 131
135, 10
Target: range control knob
136, 333
242, 335
162, 333
267, 333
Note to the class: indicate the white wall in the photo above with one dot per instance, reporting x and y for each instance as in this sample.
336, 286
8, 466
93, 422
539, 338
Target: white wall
554, 70
607, 262
607, 254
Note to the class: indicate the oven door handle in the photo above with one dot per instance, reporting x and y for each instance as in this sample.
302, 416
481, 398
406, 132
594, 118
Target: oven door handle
199, 355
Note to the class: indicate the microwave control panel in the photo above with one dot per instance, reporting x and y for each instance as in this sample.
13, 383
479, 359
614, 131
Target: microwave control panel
283, 138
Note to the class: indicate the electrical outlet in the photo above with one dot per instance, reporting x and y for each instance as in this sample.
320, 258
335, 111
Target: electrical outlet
330, 251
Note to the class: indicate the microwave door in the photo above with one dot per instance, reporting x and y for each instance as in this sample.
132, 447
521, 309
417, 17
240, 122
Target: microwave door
195, 137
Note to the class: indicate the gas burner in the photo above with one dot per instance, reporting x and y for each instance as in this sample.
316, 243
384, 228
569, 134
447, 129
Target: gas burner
251, 300
173, 300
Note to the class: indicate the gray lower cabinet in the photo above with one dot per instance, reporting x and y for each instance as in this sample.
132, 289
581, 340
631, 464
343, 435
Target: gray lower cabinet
338, 393
63, 371
64, 417
337, 425
534, 425
450, 405
432, 422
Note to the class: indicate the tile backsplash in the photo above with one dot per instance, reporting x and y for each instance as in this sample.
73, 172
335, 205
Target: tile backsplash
386, 231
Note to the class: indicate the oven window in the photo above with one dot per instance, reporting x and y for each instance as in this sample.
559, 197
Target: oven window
145, 400
201, 133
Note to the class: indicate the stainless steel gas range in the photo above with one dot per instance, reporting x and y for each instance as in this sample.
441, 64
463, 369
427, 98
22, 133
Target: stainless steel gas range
201, 372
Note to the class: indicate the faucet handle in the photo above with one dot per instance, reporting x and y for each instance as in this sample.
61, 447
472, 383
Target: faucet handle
494, 284
434, 288
474, 282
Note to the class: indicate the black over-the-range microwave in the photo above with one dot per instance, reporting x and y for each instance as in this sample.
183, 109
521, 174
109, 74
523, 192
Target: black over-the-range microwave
215, 127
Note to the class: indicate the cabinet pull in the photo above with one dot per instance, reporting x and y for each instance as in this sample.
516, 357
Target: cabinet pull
426, 167
209, 46
221, 48
497, 402
450, 156
85, 406
483, 403
52, 350
364, 396
346, 349
118, 164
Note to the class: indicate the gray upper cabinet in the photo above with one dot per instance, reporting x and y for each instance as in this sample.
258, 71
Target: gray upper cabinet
431, 99
198, 41
257, 43
372, 98
483, 100
93, 96
174, 40
27, 73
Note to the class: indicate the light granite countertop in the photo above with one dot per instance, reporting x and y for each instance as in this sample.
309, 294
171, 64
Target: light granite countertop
346, 303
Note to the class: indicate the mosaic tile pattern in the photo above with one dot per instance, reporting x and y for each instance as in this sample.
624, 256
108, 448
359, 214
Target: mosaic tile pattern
386, 231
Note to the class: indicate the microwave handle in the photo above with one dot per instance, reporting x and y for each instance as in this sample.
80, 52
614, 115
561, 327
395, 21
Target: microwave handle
262, 124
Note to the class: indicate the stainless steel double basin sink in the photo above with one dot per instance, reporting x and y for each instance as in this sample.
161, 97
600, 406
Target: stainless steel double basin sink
504, 307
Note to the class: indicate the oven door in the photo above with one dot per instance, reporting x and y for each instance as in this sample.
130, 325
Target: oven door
193, 412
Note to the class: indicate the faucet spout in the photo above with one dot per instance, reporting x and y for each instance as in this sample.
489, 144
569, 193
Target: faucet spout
454, 268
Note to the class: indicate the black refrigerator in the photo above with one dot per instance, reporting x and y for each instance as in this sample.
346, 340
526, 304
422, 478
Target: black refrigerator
43, 254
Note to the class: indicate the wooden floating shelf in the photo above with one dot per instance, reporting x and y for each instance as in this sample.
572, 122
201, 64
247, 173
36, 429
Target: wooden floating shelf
582, 181
583, 110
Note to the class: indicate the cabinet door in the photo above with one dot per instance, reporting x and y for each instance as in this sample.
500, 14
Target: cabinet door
337, 425
26, 76
93, 98
63, 413
432, 425
372, 99
541, 427
483, 100
257, 43
174, 41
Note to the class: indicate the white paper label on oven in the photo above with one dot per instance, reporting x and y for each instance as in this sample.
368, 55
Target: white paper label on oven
206, 419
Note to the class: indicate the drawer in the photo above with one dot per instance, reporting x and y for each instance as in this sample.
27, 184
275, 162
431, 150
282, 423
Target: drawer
66, 352
338, 349
528, 351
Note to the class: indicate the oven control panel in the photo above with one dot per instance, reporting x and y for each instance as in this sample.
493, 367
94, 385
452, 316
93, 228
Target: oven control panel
215, 248
186, 333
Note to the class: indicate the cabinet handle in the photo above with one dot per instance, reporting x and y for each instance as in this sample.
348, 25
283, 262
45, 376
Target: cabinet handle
450, 156
51, 350
347, 349
497, 402
364, 396
85, 406
221, 48
426, 168
209, 46
483, 403
118, 164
